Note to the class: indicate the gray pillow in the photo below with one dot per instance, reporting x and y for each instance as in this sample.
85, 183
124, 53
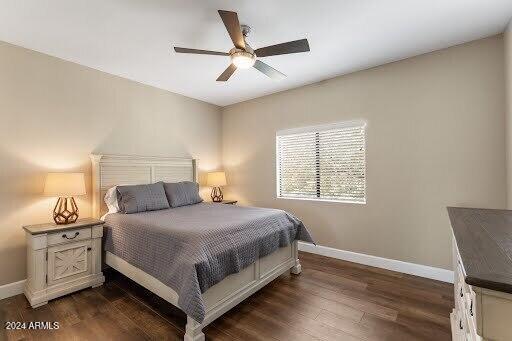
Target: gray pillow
141, 198
182, 193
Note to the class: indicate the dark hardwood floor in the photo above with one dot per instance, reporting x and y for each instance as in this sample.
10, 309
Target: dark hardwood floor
330, 300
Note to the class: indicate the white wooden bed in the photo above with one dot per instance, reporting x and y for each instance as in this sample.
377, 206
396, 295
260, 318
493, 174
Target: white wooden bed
111, 170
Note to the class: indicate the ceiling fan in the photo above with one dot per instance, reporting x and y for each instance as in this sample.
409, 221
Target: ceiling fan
242, 55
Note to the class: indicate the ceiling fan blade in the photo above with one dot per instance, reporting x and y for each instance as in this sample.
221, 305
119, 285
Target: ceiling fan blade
195, 51
295, 46
232, 24
268, 70
227, 73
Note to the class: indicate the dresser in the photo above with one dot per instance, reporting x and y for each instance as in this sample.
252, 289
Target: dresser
482, 256
62, 259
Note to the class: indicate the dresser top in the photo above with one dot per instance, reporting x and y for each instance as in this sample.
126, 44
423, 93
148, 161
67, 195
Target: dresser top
484, 240
50, 227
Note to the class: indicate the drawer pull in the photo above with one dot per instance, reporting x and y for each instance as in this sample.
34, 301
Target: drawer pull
460, 324
461, 293
89, 248
471, 308
76, 235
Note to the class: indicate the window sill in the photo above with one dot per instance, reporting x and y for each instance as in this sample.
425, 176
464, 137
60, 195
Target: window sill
325, 200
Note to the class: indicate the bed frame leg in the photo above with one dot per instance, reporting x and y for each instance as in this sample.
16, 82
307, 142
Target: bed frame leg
193, 330
297, 268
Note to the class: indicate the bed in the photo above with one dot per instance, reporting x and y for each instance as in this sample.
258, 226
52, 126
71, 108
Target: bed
138, 245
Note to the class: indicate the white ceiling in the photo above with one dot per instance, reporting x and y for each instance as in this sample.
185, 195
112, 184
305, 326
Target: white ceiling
134, 38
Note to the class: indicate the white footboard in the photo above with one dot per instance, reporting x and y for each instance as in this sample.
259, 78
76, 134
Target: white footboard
225, 294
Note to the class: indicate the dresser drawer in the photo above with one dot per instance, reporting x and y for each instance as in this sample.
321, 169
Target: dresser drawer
457, 332
470, 307
459, 283
469, 327
460, 328
69, 236
467, 302
461, 293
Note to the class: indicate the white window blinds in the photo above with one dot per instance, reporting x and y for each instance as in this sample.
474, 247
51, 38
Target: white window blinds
322, 162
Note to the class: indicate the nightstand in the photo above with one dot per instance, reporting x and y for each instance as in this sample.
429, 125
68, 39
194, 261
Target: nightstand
62, 259
227, 202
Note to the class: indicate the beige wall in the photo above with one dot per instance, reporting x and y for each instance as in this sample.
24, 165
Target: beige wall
55, 113
436, 137
508, 91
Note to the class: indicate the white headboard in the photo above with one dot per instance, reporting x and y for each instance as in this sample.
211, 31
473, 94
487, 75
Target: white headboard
112, 170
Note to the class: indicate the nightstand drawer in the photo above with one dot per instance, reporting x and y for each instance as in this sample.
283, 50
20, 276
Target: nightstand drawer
69, 236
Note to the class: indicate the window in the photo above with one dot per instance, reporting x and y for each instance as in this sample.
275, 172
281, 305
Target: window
322, 162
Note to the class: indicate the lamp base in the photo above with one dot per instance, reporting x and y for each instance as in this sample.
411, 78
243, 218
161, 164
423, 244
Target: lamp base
65, 211
216, 194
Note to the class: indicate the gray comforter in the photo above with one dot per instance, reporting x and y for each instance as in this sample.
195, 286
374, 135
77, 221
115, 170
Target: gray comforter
191, 248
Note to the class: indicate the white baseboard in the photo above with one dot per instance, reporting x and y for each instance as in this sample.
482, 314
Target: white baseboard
12, 289
379, 262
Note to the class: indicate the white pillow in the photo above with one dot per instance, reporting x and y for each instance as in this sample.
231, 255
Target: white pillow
111, 201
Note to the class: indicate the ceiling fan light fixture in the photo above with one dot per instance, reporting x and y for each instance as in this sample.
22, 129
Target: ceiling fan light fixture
243, 59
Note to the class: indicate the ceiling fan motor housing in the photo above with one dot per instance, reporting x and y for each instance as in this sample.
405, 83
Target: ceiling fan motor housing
246, 29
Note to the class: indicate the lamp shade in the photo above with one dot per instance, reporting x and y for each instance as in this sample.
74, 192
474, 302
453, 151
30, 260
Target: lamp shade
216, 179
64, 184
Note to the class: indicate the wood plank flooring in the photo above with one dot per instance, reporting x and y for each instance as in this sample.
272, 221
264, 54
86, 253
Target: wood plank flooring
330, 300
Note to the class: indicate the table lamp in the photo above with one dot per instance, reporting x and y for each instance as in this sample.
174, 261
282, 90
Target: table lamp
216, 180
65, 186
